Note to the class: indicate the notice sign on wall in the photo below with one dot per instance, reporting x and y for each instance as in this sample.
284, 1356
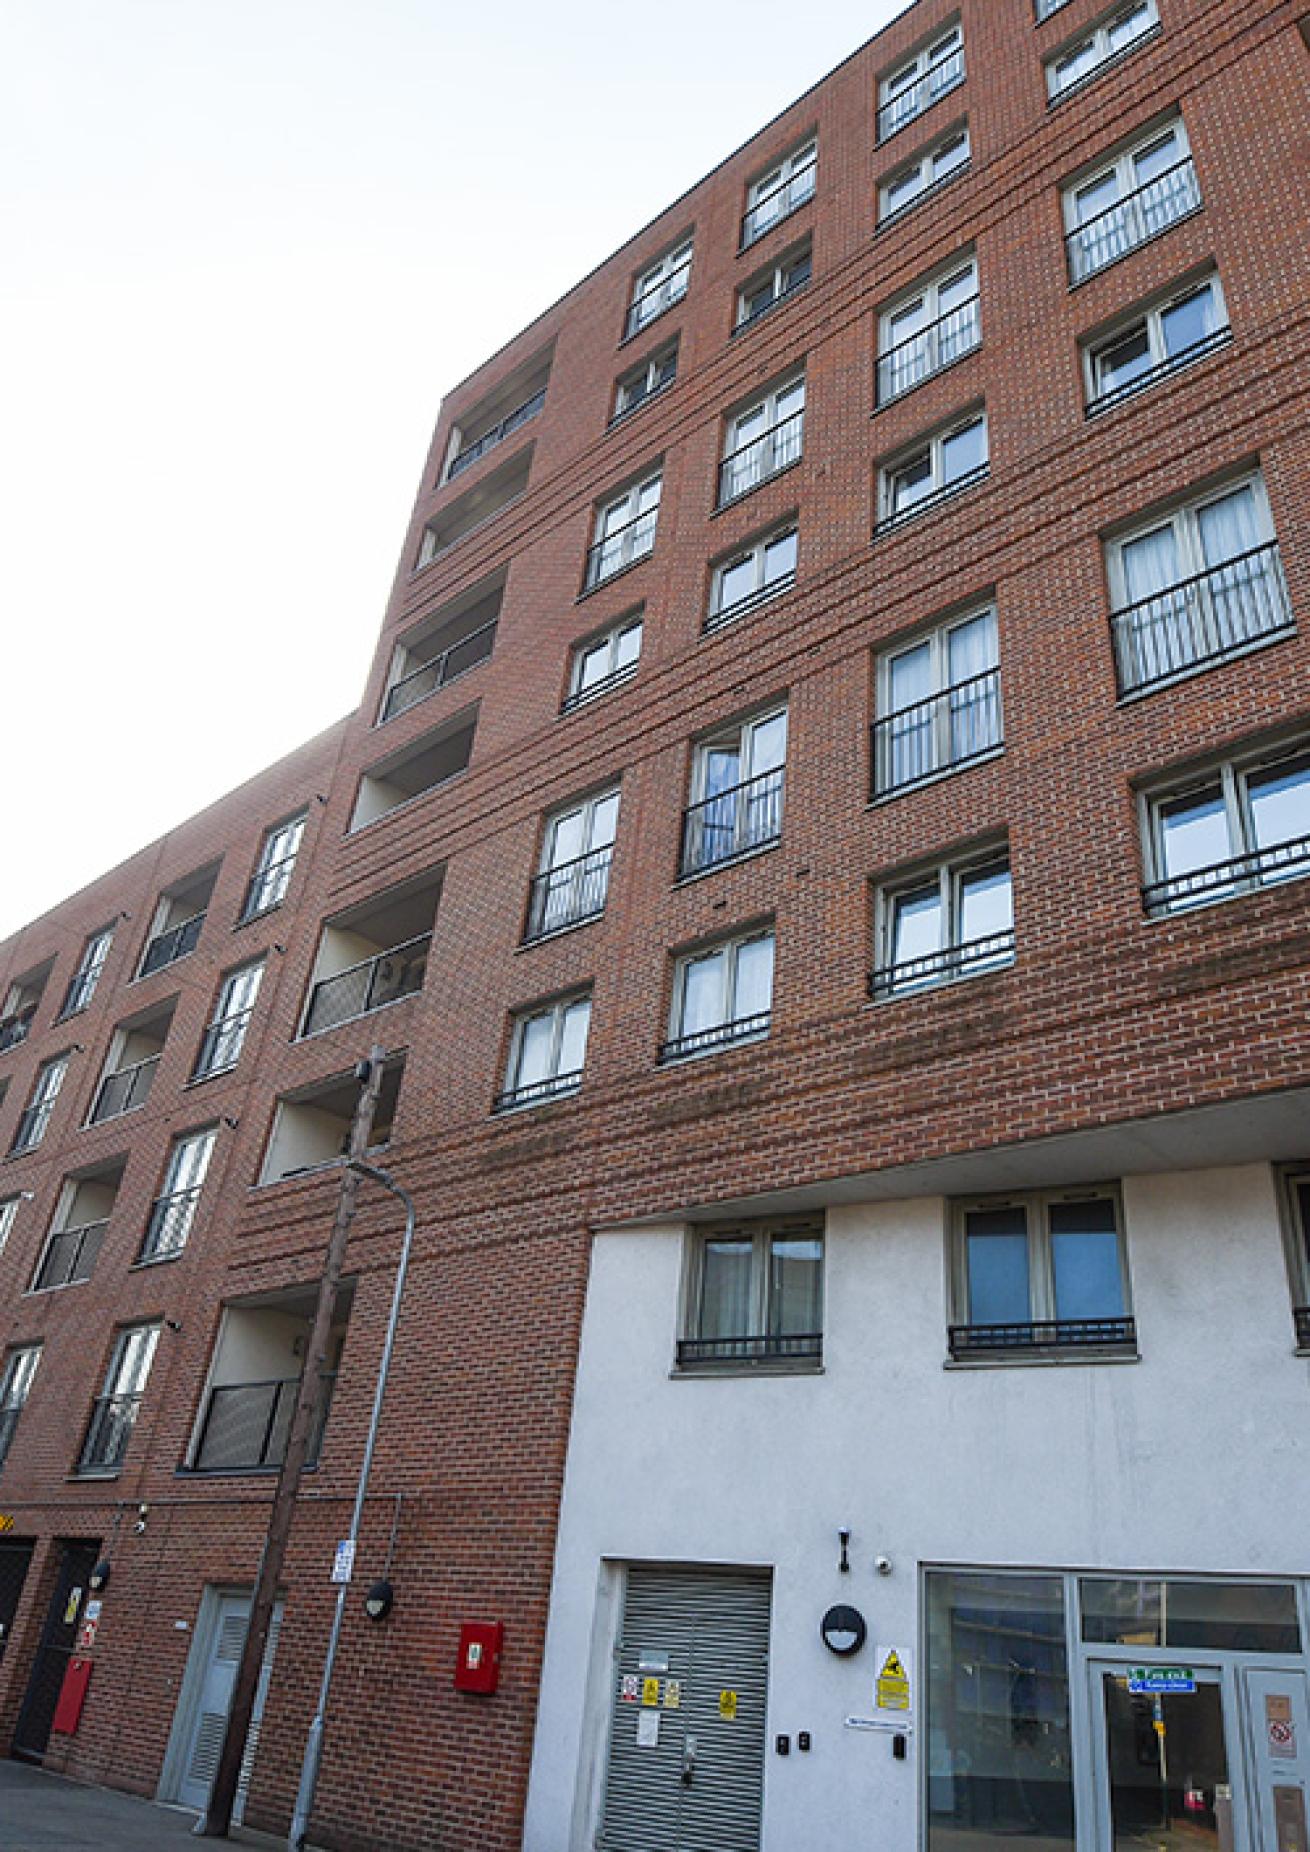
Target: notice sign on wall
891, 1687
1280, 1728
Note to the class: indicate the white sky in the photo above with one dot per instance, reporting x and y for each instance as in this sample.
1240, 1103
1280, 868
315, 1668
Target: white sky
247, 245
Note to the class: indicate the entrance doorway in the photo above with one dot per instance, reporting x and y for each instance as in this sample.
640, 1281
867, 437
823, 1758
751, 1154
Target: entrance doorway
15, 1559
201, 1717
32, 1732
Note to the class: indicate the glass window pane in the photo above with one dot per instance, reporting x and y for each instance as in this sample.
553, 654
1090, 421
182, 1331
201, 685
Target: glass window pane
573, 1037
795, 1270
1257, 1617
1280, 803
604, 821
754, 983
964, 450
986, 904
907, 321
1085, 1260
780, 557
535, 1038
628, 646
1229, 526
1158, 1798
954, 290
767, 745
996, 1256
1123, 359
1186, 323
725, 1300
911, 482
971, 647
909, 677
950, 155
565, 843
593, 664
702, 993
736, 582
916, 924
1150, 162
1194, 833
1097, 196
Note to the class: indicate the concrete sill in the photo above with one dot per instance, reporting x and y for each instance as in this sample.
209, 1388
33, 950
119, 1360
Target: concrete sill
1042, 1360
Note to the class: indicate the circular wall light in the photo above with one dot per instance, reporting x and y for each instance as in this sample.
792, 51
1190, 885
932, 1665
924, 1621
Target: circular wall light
377, 1602
843, 1631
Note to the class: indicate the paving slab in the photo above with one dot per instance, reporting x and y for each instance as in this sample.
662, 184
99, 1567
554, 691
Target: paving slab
41, 1812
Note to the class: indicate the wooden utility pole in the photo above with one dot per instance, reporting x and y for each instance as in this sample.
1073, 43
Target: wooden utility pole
218, 1815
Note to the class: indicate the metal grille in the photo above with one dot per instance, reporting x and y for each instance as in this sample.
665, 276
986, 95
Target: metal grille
1044, 1334
713, 1626
720, 1035
734, 822
169, 946
953, 961
70, 1255
1279, 862
447, 667
1301, 1314
952, 727
247, 1426
805, 1346
13, 1029
497, 434
124, 1091
170, 1223
929, 350
1203, 619
620, 548
15, 1559
112, 1420
1139, 216
569, 892
926, 503
1209, 344
937, 81
368, 986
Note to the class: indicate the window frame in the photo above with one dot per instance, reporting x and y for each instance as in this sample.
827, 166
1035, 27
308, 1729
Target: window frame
650, 371
923, 163
90, 969
1231, 775
940, 490
916, 70
41, 1101
774, 456
784, 281
755, 552
553, 1085
658, 279
580, 908
780, 177
212, 1041
1120, 164
927, 291
762, 1351
738, 737
612, 635
1150, 316
163, 1239
1104, 54
18, 1368
951, 877
269, 862
671, 1054
8, 1216
937, 637
624, 500
141, 1361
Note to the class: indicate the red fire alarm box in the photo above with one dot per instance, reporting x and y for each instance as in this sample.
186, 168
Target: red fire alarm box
72, 1696
478, 1665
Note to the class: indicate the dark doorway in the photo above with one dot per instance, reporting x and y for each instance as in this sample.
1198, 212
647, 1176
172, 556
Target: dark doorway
15, 1558
56, 1649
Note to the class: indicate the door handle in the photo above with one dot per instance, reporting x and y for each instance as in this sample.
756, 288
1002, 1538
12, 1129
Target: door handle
688, 1760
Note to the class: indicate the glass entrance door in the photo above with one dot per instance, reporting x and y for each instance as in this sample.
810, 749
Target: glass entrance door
1278, 1737
1167, 1759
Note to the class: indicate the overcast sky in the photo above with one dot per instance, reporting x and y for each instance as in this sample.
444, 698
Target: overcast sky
248, 245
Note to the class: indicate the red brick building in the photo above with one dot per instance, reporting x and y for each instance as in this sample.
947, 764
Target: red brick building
840, 735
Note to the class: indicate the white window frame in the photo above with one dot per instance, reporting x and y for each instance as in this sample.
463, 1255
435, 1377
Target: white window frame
719, 1035
553, 1085
760, 1347
659, 286
40, 1106
947, 718
275, 867
1045, 9
754, 553
950, 877
225, 1034
173, 1211
779, 442
782, 281
1150, 318
910, 89
8, 1215
790, 182
1137, 223
16, 1378
619, 671
630, 518
1097, 46
940, 487
91, 964
583, 893
740, 739
642, 383
942, 336
1230, 778
923, 175
1037, 1205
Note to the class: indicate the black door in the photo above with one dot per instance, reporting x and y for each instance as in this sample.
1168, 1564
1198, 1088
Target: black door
15, 1555
56, 1649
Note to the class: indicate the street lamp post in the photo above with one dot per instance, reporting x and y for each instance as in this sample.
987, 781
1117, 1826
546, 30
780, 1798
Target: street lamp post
314, 1741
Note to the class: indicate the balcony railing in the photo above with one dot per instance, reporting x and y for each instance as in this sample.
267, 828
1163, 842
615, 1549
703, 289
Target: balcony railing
70, 1255
268, 889
497, 434
167, 947
801, 1347
112, 1420
1140, 215
989, 952
615, 679
772, 451
1279, 862
1044, 1335
247, 1426
1105, 64
926, 503
32, 1123
536, 1091
124, 1091
623, 547
569, 893
170, 1223
81, 989
797, 277
368, 986
720, 1035
908, 104
1151, 376
661, 295
742, 607
937, 734
1201, 620
442, 669
1301, 1314
734, 822
931, 350
778, 203
14, 1029
221, 1044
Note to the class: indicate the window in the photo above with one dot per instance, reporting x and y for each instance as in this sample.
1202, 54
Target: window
625, 531
1135, 196
1241, 825
937, 468
767, 288
498, 414
928, 330
659, 286
777, 193
1040, 1273
15, 1387
1196, 586
644, 381
452, 641
547, 1049
22, 999
755, 1296
8, 1212
82, 984
1045, 8
70, 1252
763, 440
131, 1062
939, 703
178, 920
917, 84
721, 996
36, 1114
605, 661
114, 1411
746, 579
1092, 51
272, 876
1299, 1191
1185, 326
951, 922
736, 792
220, 1047
933, 168
576, 852
174, 1209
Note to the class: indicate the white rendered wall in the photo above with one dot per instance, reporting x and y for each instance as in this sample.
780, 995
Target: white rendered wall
1195, 1458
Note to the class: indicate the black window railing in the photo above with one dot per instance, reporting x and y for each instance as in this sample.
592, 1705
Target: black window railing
622, 547
170, 1222
167, 947
368, 986
443, 669
929, 351
989, 952
1301, 1315
124, 1091
555, 1086
1104, 64
892, 215
247, 1426
909, 104
32, 1123
269, 886
778, 203
221, 1044
1240, 873
1051, 1334
1151, 376
942, 732
719, 1035
14, 1029
497, 434
568, 893
924, 504
638, 392
745, 817
757, 305
615, 679
81, 989
105, 1447
70, 1255
657, 297
794, 1347
1133, 220
1212, 615
742, 607
764, 456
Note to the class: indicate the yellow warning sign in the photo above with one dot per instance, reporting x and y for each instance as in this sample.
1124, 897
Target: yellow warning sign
892, 1686
672, 1694
650, 1691
728, 1706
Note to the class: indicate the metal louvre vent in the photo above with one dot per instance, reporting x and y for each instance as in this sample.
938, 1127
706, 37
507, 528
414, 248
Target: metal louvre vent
713, 1628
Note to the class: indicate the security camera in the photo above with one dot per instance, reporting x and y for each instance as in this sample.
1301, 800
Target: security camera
883, 1564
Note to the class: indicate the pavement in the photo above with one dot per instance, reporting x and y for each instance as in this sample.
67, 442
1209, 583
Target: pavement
40, 1812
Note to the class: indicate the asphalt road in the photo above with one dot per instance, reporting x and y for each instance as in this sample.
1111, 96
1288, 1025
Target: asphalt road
45, 1813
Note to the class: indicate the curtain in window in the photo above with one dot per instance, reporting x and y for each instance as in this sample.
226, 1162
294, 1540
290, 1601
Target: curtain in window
725, 1304
1157, 634
794, 1270
973, 716
909, 736
1240, 606
754, 986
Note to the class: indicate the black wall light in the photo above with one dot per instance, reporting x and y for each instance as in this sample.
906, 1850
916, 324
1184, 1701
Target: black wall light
99, 1576
377, 1602
843, 1631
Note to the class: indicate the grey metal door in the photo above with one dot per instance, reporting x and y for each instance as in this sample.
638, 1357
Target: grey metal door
222, 1651
687, 1716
